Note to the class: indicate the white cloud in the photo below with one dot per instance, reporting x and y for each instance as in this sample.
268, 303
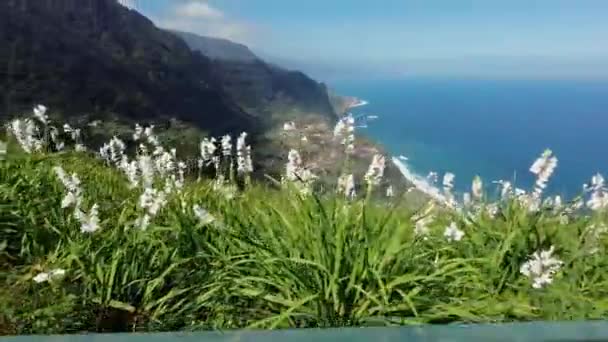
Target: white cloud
201, 17
130, 4
199, 10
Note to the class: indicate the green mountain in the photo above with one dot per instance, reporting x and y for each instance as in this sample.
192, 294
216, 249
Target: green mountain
96, 58
92, 60
261, 88
218, 48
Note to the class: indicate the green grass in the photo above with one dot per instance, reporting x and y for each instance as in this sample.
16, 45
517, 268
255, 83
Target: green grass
272, 259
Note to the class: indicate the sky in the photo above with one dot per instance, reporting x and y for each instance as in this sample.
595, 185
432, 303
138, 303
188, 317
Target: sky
546, 39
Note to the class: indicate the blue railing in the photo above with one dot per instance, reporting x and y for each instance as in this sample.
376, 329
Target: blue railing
519, 332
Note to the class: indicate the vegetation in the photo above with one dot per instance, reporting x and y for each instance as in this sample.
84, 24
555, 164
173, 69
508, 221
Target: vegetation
107, 242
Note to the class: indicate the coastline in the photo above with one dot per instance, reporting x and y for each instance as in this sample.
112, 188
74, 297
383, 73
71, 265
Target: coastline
358, 103
419, 182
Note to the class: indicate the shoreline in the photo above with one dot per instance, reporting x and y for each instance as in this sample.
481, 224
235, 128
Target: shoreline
358, 103
419, 182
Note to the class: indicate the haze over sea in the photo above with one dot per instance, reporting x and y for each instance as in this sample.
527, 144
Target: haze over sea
495, 129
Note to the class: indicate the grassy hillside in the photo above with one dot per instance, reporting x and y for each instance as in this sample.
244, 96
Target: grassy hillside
134, 247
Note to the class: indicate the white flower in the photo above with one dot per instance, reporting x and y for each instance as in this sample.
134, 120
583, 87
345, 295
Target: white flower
80, 148
466, 198
293, 166
477, 188
531, 201
597, 181
131, 171
244, 164
376, 170
56, 273
226, 146
541, 267
452, 233
158, 150
94, 123
72, 185
113, 151
143, 222
595, 232
421, 226
492, 209
448, 181
146, 168
89, 222
557, 202
304, 139
152, 200
598, 201
165, 163
150, 137
448, 185
143, 149
599, 194
248, 163
432, 177
345, 131
53, 134
346, 186
215, 161
202, 215
339, 128
543, 168
41, 277
26, 133
577, 204
139, 131
40, 114
207, 147
177, 182
73, 132
53, 274
289, 126
69, 200
389, 191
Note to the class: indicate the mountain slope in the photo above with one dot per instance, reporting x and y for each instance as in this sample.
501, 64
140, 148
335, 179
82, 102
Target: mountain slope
96, 56
258, 86
218, 48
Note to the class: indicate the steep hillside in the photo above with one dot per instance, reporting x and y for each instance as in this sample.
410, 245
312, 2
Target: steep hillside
218, 48
257, 86
96, 56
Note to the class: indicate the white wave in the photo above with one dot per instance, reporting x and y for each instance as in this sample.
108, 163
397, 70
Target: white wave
360, 104
420, 182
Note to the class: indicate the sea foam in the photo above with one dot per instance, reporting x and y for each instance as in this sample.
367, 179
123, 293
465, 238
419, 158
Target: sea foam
421, 183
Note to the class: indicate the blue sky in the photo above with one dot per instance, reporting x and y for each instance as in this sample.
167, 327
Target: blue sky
459, 38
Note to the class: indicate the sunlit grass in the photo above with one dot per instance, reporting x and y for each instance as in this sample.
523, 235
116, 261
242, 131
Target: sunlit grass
271, 256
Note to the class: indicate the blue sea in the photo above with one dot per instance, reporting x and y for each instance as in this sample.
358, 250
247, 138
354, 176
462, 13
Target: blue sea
494, 129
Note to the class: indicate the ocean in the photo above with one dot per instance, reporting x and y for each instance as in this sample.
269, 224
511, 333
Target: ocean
494, 129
